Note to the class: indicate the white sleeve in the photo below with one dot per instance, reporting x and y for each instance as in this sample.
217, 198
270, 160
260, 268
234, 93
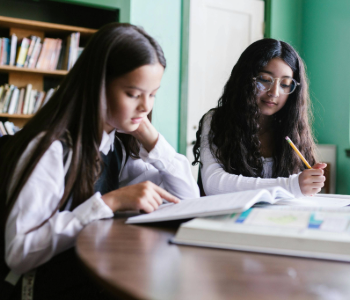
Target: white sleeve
216, 180
164, 167
37, 200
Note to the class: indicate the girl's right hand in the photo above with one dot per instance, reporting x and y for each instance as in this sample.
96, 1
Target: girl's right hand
145, 196
312, 180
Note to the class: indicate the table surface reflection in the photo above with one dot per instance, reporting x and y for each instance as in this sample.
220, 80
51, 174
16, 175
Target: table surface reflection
138, 262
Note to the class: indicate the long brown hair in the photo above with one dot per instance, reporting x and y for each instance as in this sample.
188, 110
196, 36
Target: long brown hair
79, 107
234, 128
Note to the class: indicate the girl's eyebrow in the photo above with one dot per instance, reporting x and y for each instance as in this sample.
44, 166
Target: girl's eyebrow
137, 88
268, 72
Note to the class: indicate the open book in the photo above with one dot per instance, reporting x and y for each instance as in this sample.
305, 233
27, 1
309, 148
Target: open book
234, 202
297, 231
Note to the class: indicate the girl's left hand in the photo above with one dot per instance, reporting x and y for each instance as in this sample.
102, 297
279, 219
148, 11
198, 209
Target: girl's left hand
146, 134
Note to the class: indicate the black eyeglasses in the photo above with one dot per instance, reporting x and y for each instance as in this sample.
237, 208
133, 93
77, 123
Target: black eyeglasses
286, 85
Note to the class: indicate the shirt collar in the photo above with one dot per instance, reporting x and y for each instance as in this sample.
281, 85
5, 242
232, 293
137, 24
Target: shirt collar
107, 142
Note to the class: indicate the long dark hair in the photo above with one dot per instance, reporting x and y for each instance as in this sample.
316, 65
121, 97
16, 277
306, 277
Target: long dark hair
79, 107
234, 128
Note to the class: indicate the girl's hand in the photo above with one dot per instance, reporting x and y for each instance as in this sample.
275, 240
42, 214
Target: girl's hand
146, 134
144, 196
312, 180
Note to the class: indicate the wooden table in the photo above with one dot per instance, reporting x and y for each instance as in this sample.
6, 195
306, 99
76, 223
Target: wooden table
137, 262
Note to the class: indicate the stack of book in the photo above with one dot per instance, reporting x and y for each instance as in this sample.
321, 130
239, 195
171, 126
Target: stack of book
25, 100
32, 52
7, 128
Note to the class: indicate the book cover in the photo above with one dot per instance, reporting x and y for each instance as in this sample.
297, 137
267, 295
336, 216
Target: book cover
35, 55
297, 231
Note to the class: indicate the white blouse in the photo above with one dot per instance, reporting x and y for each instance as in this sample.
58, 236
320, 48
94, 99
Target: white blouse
45, 187
216, 181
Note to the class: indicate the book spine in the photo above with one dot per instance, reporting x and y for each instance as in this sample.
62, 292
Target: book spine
19, 108
2, 129
30, 50
27, 99
42, 55
13, 49
13, 101
22, 52
8, 98
35, 56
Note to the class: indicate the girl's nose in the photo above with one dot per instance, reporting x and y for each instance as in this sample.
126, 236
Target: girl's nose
274, 91
145, 103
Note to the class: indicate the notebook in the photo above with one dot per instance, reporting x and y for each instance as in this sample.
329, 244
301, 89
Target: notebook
234, 202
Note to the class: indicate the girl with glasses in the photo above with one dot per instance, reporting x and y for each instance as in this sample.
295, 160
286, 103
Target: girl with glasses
241, 143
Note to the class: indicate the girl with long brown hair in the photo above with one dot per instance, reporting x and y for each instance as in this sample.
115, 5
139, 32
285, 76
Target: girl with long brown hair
241, 143
89, 152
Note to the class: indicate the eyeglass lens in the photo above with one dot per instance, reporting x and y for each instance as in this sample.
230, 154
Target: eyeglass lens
265, 82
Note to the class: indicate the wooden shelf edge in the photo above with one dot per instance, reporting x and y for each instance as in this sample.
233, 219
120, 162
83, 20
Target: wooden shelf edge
5, 68
45, 26
15, 116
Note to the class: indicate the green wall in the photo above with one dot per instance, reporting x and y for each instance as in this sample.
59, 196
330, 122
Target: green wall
286, 21
319, 30
326, 51
162, 20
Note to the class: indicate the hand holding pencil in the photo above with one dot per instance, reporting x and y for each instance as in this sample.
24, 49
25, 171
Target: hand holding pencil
312, 180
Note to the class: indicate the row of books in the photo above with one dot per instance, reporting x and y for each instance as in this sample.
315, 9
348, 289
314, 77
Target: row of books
25, 100
32, 52
7, 128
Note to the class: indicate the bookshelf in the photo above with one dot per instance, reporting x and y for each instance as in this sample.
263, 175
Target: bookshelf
22, 76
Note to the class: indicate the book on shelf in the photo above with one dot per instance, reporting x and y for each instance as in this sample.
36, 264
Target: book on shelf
13, 101
23, 46
32, 52
233, 203
2, 129
295, 231
7, 98
33, 39
4, 51
25, 100
13, 48
10, 128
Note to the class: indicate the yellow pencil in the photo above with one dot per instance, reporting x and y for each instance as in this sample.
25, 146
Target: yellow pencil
297, 151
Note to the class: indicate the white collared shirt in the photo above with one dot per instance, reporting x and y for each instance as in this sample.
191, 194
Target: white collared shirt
45, 187
217, 181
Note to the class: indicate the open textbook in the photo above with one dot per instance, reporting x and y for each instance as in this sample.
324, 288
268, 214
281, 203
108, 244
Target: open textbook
235, 202
297, 231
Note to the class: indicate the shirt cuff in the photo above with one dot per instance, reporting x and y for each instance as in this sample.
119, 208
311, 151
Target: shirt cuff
295, 186
160, 156
93, 209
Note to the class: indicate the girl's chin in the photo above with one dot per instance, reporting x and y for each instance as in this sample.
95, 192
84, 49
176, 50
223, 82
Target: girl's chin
128, 129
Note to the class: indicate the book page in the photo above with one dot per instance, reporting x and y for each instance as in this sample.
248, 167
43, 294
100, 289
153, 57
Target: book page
205, 206
318, 201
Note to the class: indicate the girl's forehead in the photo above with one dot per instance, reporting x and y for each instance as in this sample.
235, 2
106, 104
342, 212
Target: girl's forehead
278, 67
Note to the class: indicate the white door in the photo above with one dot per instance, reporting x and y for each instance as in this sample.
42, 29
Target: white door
219, 32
